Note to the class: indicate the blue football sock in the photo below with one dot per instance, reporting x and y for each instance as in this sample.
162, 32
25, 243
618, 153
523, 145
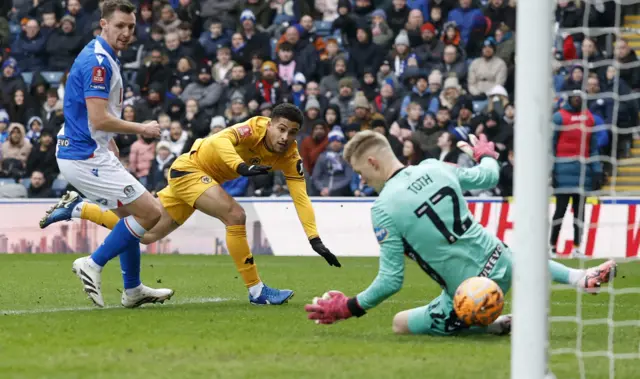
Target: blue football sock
130, 265
116, 242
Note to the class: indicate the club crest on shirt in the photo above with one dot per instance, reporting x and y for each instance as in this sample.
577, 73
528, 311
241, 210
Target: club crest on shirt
381, 233
255, 161
244, 131
98, 75
206, 180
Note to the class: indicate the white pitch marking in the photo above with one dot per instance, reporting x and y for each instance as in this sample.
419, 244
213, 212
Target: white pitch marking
200, 300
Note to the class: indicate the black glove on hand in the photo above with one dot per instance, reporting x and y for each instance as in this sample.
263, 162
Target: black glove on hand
322, 250
253, 170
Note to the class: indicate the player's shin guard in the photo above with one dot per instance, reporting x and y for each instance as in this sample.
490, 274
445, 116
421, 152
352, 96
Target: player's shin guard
93, 213
130, 265
124, 235
241, 254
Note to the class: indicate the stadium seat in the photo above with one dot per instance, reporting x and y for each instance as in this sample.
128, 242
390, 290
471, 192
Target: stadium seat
26, 182
28, 77
59, 186
4, 181
53, 77
323, 28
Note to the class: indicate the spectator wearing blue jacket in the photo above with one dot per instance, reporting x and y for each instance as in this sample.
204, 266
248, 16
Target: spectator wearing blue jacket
359, 188
30, 48
463, 17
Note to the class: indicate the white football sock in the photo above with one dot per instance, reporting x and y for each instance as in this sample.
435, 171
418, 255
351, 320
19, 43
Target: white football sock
77, 210
576, 275
94, 265
255, 290
133, 291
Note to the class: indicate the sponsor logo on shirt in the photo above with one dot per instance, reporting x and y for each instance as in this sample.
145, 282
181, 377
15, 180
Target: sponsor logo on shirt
98, 75
381, 233
129, 191
206, 180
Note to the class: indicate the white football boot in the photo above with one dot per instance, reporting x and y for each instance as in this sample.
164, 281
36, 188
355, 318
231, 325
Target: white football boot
91, 279
501, 327
143, 295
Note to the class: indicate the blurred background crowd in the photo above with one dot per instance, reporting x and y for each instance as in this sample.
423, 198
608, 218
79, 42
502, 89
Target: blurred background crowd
425, 73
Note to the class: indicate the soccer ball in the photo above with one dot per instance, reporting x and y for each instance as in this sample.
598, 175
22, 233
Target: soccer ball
478, 301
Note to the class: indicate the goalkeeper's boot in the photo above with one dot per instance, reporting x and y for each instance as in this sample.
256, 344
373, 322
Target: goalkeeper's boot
144, 295
595, 276
91, 279
62, 210
271, 296
502, 326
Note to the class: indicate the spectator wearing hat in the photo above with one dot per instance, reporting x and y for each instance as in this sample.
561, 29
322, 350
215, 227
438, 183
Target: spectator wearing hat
364, 53
350, 130
448, 97
43, 157
382, 33
63, 45
401, 53
204, 90
314, 144
419, 94
397, 15
265, 109
237, 111
385, 72
431, 51
387, 103
428, 133
363, 114
257, 41
312, 113
370, 86
312, 89
487, 71
345, 99
463, 16
34, 129
464, 120
332, 174
213, 38
222, 68
218, 123
262, 11
151, 105
157, 178
29, 49
169, 21
329, 85
345, 23
10, 80
17, 146
332, 115
269, 88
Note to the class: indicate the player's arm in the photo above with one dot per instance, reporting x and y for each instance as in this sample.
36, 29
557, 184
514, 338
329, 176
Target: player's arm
389, 280
482, 176
292, 169
96, 83
225, 142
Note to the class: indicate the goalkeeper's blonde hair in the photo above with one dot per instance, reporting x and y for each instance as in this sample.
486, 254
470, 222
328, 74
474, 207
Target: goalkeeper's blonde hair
363, 142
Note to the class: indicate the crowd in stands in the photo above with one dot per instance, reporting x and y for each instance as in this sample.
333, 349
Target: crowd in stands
425, 73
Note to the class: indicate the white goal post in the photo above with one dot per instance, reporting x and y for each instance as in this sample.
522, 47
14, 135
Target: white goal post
533, 95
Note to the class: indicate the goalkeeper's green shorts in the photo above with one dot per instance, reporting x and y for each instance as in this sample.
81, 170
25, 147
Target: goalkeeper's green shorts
438, 317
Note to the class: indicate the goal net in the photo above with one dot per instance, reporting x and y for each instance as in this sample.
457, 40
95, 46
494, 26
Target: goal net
586, 195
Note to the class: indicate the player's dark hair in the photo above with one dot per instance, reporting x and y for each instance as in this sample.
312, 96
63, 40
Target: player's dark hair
111, 6
288, 111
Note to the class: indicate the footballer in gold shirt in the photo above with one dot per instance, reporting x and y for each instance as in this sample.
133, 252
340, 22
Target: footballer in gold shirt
254, 147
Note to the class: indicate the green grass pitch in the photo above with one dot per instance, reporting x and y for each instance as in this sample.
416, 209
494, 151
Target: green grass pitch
209, 330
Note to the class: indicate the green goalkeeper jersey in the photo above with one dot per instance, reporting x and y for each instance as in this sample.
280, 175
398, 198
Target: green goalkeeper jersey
422, 214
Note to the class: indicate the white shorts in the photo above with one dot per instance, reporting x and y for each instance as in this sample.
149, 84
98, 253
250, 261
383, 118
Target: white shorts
103, 180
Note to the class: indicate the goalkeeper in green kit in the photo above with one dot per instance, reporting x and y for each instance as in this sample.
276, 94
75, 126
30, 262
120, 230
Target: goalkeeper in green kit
422, 214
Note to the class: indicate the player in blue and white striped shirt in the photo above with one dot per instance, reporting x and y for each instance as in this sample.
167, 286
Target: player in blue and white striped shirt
86, 155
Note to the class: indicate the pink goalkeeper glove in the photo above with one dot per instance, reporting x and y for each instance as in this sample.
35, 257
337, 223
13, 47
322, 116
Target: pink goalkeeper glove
478, 148
333, 307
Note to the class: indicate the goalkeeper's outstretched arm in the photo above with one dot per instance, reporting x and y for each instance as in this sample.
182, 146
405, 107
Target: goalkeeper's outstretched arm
485, 175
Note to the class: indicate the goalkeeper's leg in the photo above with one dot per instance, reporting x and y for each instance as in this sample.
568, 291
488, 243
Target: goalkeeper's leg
439, 319
215, 202
590, 279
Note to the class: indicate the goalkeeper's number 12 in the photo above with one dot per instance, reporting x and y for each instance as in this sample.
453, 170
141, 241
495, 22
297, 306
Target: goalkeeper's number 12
459, 227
